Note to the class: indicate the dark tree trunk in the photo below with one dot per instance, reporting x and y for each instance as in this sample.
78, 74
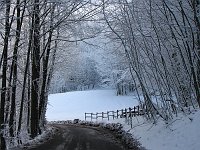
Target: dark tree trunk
44, 79
14, 67
196, 9
35, 70
45, 72
4, 75
25, 73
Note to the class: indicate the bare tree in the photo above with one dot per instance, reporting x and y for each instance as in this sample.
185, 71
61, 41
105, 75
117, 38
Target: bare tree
4, 72
159, 39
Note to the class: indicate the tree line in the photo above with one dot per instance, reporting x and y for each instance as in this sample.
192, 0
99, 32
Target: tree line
161, 42
31, 33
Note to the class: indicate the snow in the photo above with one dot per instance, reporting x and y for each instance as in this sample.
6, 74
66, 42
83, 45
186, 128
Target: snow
40, 139
74, 105
182, 133
179, 134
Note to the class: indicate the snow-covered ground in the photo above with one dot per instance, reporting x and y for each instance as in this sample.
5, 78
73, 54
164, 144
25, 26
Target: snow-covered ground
74, 105
182, 133
179, 134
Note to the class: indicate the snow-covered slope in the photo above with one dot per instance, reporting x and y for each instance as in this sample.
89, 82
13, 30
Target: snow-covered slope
182, 133
71, 105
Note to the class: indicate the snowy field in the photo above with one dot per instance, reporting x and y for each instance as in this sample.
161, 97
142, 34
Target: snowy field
182, 133
74, 105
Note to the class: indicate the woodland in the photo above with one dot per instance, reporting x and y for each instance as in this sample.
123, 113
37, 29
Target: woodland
150, 47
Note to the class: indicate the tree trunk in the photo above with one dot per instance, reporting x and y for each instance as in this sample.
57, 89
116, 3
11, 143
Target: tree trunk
196, 10
35, 70
14, 67
25, 78
4, 74
45, 71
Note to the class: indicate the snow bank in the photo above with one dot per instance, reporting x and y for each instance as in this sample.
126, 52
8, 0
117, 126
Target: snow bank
40, 139
182, 133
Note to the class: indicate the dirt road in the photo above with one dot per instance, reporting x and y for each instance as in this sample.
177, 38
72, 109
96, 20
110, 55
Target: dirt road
80, 138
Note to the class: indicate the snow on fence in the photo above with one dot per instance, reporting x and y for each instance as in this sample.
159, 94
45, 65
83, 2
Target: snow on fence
127, 113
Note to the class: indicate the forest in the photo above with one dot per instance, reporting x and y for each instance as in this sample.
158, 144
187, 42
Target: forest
149, 47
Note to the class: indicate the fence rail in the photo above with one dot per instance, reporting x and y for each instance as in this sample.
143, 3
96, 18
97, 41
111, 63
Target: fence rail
122, 113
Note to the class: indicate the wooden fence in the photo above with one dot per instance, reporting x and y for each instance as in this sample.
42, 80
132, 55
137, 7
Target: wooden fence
123, 113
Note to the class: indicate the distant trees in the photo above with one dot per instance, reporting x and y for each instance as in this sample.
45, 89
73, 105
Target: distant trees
78, 73
160, 39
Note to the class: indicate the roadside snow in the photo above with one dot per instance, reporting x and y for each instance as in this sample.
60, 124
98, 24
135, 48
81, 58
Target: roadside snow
31, 143
182, 133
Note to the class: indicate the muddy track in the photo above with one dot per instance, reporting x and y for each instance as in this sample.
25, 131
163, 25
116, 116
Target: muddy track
80, 138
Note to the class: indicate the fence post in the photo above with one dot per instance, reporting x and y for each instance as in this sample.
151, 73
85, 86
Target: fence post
117, 113
108, 115
130, 116
134, 111
126, 114
130, 111
131, 122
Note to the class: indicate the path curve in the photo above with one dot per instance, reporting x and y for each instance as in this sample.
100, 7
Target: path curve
80, 138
